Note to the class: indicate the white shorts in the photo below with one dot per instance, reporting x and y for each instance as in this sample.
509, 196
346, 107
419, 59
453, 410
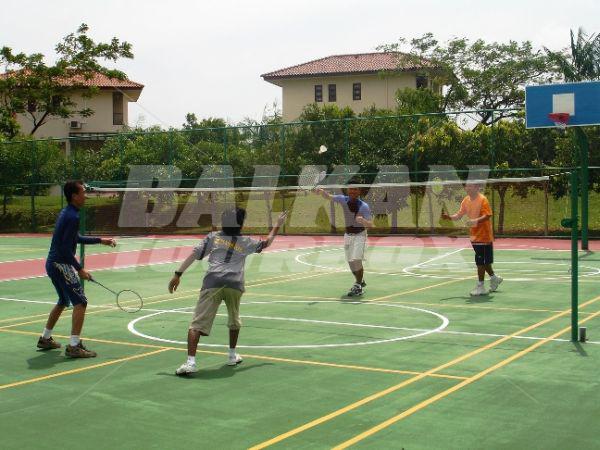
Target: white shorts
354, 246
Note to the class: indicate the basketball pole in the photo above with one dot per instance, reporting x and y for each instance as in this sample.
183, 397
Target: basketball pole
574, 256
584, 151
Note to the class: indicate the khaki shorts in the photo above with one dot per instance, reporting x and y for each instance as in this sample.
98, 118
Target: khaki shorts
208, 304
354, 246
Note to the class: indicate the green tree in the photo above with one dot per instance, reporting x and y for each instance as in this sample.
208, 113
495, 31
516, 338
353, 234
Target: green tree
479, 75
40, 90
581, 61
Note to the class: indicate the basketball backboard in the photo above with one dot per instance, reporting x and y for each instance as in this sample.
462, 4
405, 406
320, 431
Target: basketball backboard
580, 100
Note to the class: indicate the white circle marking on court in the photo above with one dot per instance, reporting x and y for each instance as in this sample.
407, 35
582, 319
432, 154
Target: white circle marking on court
444, 324
592, 271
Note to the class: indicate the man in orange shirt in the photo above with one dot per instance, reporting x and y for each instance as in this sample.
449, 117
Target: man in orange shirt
477, 208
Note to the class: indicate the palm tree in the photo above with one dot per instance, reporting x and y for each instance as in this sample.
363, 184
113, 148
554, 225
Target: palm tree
583, 63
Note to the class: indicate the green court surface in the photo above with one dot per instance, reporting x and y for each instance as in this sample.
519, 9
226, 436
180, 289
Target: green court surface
416, 363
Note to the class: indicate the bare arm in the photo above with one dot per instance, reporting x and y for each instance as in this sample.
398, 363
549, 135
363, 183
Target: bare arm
174, 283
480, 219
365, 222
275, 230
323, 193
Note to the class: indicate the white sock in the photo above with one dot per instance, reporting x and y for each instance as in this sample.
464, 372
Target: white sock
74, 340
480, 283
191, 360
47, 334
232, 352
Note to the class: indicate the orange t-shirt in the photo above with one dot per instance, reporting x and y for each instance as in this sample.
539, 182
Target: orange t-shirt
474, 208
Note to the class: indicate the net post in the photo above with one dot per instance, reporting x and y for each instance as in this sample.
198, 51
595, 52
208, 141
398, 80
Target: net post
574, 255
582, 143
82, 231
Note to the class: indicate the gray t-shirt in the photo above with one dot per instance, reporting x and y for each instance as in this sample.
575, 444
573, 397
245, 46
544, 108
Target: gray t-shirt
226, 259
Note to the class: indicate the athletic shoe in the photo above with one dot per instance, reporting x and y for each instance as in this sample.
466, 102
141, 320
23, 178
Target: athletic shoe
495, 282
479, 290
186, 369
234, 360
79, 351
47, 344
363, 284
355, 291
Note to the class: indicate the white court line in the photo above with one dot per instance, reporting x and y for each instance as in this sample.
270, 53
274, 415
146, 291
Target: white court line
31, 277
291, 319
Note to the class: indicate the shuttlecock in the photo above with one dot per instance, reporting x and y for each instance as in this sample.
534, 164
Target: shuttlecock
322, 149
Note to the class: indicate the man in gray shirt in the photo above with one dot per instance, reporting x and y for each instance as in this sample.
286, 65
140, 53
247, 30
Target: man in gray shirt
224, 281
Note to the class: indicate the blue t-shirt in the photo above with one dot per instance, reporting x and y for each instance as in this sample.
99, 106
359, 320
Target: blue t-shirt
66, 237
353, 208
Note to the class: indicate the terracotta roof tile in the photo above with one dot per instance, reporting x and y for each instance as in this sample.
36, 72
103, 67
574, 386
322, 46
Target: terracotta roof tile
98, 80
347, 64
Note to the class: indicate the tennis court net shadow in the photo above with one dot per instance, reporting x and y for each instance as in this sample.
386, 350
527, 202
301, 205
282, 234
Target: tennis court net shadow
223, 371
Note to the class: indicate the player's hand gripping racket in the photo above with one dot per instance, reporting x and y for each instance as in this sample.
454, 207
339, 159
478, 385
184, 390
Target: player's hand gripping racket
127, 300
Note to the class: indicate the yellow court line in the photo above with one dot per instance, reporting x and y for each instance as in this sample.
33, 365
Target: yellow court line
385, 297
81, 369
455, 388
191, 293
10, 319
260, 357
412, 380
441, 305
292, 279
111, 307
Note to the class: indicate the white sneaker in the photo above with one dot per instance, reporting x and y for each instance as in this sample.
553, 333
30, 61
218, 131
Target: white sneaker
495, 282
234, 360
186, 369
479, 290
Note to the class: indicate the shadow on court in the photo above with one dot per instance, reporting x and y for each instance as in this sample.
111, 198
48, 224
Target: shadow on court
480, 299
224, 371
585, 257
45, 359
577, 347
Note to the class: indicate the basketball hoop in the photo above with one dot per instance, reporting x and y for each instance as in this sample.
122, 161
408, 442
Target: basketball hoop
561, 120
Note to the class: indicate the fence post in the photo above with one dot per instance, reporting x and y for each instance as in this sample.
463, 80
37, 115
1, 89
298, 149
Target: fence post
171, 149
492, 166
416, 171
225, 144
121, 157
347, 140
282, 171
33, 180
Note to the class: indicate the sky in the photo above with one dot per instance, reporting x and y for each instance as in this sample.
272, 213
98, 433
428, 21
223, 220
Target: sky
206, 57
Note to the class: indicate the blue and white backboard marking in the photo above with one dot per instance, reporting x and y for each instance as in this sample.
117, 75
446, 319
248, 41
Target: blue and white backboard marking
580, 100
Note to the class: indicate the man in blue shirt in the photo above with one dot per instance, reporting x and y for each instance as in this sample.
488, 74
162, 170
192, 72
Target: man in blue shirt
61, 267
357, 216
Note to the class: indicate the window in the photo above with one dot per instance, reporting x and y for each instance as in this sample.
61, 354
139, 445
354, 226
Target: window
117, 108
318, 93
332, 92
356, 91
422, 82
